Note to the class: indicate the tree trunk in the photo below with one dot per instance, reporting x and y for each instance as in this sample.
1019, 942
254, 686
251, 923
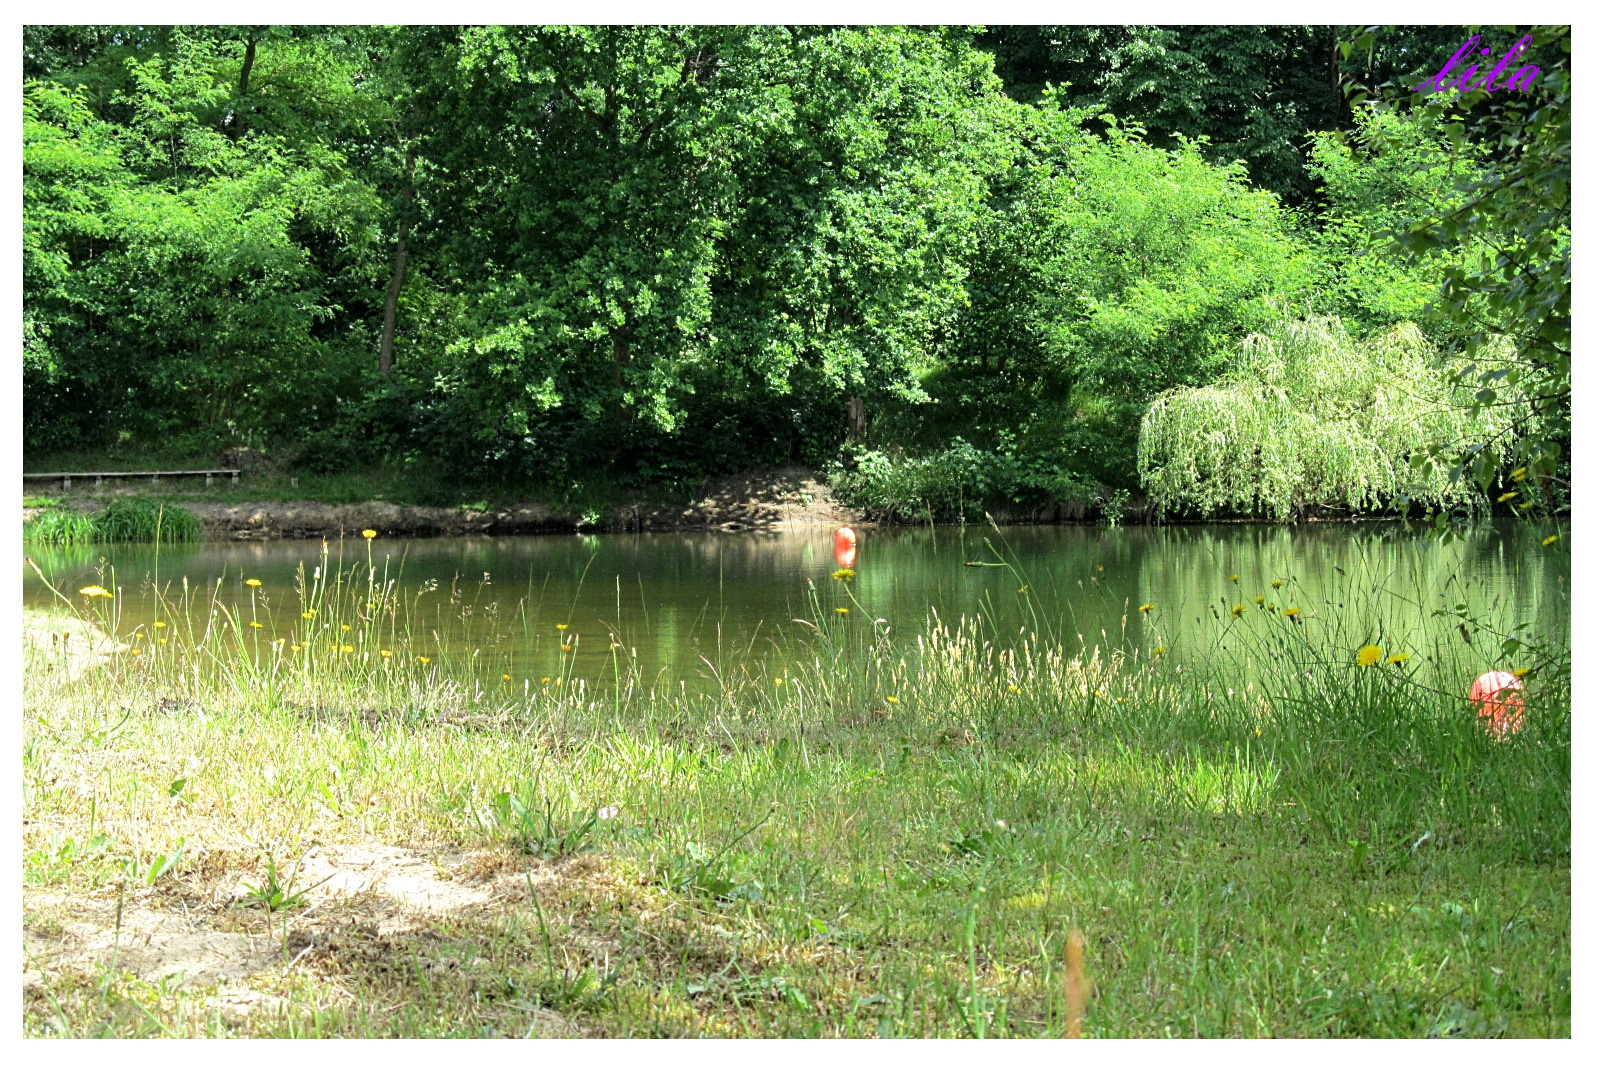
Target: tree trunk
622, 354
385, 348
855, 414
235, 120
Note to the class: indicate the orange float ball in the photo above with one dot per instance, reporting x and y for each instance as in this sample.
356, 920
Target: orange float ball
844, 548
1499, 702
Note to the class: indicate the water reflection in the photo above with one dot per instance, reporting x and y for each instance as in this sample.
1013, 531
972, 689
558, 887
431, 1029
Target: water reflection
676, 600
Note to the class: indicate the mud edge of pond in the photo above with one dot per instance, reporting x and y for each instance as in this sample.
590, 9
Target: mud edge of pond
759, 500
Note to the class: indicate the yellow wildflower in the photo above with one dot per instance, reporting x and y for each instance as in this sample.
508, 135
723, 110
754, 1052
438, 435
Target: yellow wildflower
843, 573
136, 651
308, 614
1013, 688
1160, 650
1237, 612
1146, 608
160, 625
345, 628
296, 647
385, 653
253, 582
1292, 612
561, 626
780, 680
504, 677
368, 533
1549, 540
163, 640
565, 647
255, 625
1233, 579
841, 610
1259, 601
1522, 672
893, 699
1506, 497
424, 660
543, 681
1396, 659
1519, 474
347, 648
1276, 584
93, 590
1369, 654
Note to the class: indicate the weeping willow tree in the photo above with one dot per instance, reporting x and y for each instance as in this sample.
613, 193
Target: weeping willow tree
1312, 418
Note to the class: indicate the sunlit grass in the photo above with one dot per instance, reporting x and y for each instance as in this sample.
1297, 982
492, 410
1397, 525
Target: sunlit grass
860, 836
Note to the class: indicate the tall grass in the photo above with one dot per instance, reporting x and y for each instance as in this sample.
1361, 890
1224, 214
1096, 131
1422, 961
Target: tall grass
131, 520
863, 835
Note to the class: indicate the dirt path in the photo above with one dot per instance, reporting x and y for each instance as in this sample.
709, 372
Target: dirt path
765, 499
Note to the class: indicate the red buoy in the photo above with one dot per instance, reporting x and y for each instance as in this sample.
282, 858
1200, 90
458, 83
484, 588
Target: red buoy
1498, 697
844, 547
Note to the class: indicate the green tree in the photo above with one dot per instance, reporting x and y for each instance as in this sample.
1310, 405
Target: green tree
1312, 418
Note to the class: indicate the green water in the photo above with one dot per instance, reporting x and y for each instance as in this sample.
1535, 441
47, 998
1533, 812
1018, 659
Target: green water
684, 606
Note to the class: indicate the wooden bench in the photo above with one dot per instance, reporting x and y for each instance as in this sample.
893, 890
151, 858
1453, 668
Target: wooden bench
155, 476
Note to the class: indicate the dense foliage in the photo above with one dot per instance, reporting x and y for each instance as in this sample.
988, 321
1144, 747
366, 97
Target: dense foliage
954, 265
1312, 419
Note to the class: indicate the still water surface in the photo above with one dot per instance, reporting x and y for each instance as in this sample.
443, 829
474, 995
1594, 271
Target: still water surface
681, 603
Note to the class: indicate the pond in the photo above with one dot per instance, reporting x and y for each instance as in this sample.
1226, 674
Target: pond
685, 605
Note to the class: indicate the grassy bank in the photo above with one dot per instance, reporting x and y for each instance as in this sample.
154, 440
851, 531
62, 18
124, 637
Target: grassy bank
880, 837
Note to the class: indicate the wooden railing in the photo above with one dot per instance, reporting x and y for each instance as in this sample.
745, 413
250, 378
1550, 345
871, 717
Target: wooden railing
155, 476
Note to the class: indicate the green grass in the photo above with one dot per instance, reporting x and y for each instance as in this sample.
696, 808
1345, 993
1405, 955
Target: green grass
874, 838
125, 519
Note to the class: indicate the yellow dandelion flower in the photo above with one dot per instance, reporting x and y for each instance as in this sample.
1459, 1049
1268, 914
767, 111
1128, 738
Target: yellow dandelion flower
841, 610
1160, 650
1146, 608
1292, 612
1271, 607
561, 626
93, 590
255, 625
136, 651
1369, 654
385, 653
1024, 588
160, 625
347, 648
893, 699
1233, 579
1519, 474
1259, 601
253, 582
138, 636
1277, 583
368, 533
504, 677
424, 660
1506, 497
345, 628
1237, 612
1522, 672
296, 647
308, 614
1396, 659
1549, 540
1013, 688
565, 647
543, 681
779, 681
843, 573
